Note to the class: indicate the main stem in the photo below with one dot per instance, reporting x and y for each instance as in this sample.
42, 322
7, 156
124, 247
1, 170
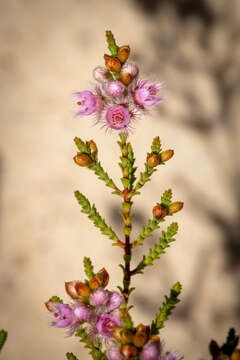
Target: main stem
127, 229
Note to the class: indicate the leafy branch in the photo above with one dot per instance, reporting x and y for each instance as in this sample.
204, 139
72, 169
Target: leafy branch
127, 163
147, 231
159, 248
166, 309
93, 215
88, 267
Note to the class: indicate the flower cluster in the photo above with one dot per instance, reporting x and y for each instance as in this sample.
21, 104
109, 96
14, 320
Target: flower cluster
91, 305
119, 97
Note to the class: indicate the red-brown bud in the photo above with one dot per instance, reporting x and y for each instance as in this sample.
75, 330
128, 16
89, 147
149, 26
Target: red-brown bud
128, 351
93, 148
82, 159
94, 283
122, 336
175, 207
123, 53
49, 306
159, 212
103, 277
236, 355
75, 289
166, 155
112, 64
140, 339
153, 160
125, 78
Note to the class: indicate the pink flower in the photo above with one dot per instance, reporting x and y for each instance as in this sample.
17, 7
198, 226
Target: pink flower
82, 313
106, 324
86, 102
114, 88
118, 117
114, 353
147, 94
63, 315
99, 297
115, 301
151, 350
101, 74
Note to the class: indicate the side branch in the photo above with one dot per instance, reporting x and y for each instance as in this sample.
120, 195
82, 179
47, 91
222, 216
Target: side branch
98, 221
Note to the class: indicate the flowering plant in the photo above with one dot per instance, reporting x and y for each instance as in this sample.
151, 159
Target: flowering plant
98, 316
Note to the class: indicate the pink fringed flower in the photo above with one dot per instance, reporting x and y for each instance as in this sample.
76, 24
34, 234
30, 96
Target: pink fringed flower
99, 297
114, 88
118, 117
151, 351
86, 102
146, 95
106, 324
113, 353
115, 301
63, 315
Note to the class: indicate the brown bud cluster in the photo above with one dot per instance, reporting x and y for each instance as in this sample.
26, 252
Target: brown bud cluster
159, 211
141, 336
175, 207
112, 64
125, 78
82, 159
153, 160
123, 336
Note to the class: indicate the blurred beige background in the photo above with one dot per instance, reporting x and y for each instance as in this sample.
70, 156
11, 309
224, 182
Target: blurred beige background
48, 50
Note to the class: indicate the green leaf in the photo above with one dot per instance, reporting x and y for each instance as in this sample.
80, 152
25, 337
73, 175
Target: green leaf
71, 356
166, 198
156, 145
93, 215
56, 299
112, 46
88, 267
166, 308
3, 338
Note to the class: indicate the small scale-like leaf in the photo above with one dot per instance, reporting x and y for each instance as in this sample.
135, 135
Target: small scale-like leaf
3, 338
166, 198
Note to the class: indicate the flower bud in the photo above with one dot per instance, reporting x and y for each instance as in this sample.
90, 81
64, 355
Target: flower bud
175, 207
125, 78
82, 159
159, 212
113, 353
123, 53
166, 155
94, 283
152, 349
49, 305
140, 339
121, 335
112, 64
99, 297
103, 277
101, 74
153, 160
114, 88
236, 355
93, 148
128, 351
130, 68
75, 289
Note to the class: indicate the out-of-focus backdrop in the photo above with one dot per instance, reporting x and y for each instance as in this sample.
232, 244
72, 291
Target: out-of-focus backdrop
48, 50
